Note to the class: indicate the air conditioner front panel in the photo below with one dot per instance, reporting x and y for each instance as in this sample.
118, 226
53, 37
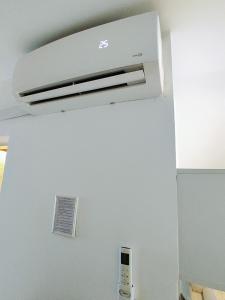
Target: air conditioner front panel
124, 42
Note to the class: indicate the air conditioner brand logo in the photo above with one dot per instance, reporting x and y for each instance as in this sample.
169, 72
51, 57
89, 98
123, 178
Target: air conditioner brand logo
137, 54
103, 44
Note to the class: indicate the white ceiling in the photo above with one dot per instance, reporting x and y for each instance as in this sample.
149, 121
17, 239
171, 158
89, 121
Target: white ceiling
198, 50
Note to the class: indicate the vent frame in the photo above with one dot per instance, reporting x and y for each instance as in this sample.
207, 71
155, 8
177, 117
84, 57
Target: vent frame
68, 228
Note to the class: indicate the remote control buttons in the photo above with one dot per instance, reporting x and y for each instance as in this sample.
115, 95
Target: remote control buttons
123, 293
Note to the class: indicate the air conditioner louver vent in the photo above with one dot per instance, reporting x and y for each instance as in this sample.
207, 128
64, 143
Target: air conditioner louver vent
65, 216
93, 83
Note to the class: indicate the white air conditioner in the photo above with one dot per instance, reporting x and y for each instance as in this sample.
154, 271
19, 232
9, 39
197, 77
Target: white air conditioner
114, 62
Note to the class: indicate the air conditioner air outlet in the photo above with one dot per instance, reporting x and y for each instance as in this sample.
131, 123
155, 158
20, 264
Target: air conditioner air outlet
125, 77
82, 79
77, 94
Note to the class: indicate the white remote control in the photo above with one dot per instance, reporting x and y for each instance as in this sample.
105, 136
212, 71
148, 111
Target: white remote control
126, 289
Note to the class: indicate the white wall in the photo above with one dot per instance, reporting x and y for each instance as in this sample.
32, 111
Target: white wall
120, 161
201, 210
198, 73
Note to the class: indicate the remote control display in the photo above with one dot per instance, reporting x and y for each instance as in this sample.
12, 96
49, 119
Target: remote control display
125, 259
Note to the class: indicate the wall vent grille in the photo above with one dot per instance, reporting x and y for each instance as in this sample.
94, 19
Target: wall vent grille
65, 216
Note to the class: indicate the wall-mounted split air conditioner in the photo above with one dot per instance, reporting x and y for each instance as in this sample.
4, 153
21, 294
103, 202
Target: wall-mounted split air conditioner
115, 62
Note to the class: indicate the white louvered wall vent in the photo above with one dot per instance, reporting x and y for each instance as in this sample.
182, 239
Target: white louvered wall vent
65, 216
